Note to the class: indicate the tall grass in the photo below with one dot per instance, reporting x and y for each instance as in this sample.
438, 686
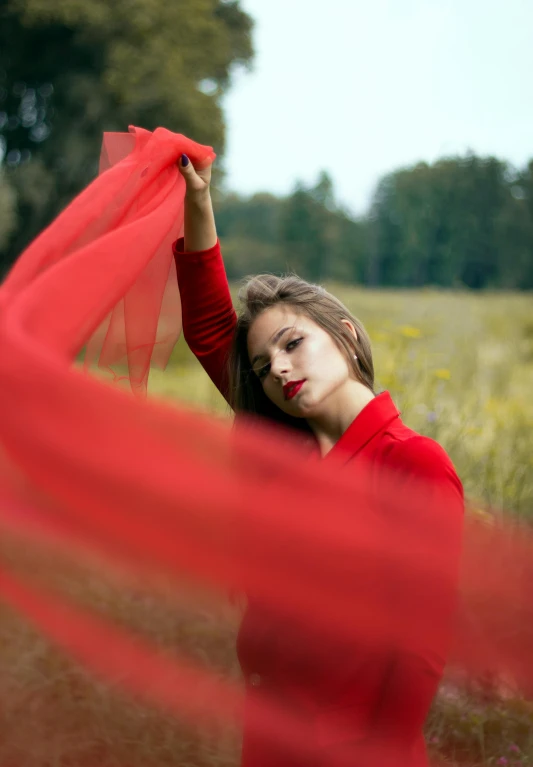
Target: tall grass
458, 365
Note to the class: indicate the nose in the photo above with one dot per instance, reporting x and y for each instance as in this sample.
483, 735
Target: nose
280, 365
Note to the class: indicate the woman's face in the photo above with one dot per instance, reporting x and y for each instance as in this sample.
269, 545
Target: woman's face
301, 368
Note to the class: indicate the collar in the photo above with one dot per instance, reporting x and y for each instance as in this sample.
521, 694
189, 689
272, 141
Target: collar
372, 419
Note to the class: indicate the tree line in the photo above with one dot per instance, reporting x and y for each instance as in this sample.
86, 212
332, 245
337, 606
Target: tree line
460, 222
70, 69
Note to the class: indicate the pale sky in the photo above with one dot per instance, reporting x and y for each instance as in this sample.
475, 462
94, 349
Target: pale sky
360, 88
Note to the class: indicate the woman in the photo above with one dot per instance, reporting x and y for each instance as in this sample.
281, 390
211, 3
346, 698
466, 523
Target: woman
297, 356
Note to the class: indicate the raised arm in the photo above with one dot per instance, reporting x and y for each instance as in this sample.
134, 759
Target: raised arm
209, 318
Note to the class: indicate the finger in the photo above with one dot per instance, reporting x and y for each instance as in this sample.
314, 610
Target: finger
186, 169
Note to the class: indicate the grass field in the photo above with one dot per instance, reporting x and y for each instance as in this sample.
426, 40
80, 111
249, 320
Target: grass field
460, 367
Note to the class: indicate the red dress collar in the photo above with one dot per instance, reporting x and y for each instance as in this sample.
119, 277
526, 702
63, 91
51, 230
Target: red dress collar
372, 419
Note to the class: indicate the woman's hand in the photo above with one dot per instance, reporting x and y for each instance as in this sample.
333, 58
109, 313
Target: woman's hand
200, 229
197, 181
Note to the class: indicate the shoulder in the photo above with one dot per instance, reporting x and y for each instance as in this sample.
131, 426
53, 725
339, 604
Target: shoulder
417, 456
415, 449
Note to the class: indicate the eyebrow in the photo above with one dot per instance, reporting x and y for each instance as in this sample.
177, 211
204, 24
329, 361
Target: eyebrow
274, 341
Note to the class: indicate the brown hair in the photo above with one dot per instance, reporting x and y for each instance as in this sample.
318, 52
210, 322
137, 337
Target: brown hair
259, 293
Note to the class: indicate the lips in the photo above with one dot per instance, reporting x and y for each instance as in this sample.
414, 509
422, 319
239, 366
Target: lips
292, 388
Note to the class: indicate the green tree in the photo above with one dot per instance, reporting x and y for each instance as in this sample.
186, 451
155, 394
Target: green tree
70, 69
302, 236
249, 231
319, 239
462, 221
255, 218
8, 215
516, 233
306, 232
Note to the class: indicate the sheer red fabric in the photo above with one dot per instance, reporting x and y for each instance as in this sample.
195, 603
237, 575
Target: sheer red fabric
136, 202
162, 490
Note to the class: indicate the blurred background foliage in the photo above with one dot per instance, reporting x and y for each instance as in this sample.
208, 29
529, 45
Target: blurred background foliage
461, 222
70, 69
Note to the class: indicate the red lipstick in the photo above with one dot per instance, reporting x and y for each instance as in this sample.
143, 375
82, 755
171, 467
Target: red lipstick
292, 388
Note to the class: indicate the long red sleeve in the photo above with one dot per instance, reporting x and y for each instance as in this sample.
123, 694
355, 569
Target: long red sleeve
208, 315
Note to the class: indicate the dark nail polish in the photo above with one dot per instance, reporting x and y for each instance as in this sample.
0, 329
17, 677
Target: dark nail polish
184, 160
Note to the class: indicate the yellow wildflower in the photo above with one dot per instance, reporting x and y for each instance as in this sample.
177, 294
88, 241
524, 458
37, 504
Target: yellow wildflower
410, 332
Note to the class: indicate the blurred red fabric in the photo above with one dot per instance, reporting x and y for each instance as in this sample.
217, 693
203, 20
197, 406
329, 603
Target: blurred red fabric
159, 489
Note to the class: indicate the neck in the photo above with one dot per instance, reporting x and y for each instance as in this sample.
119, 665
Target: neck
339, 413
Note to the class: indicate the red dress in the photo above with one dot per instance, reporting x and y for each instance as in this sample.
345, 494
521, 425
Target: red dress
359, 706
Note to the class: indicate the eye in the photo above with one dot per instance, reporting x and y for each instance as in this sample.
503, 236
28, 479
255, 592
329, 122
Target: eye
263, 372
293, 344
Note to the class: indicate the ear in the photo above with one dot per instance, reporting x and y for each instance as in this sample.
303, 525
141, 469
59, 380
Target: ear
351, 328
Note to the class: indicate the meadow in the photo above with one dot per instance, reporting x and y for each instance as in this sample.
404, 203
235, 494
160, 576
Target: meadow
460, 368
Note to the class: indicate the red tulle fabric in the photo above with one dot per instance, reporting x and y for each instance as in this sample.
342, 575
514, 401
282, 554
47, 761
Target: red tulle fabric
123, 224
88, 468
